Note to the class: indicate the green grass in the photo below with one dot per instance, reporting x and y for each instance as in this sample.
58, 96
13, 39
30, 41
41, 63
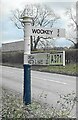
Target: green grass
70, 69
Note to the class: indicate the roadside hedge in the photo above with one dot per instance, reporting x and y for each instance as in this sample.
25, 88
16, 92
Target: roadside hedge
71, 56
11, 57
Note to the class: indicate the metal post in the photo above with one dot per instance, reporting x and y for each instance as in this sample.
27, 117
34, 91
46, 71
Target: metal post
27, 50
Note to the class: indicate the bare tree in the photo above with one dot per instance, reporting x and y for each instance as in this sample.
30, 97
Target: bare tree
73, 27
42, 16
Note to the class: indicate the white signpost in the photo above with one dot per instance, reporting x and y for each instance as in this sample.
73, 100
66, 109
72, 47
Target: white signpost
76, 58
77, 22
77, 12
39, 59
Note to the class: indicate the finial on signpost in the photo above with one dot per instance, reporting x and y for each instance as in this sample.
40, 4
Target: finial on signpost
26, 19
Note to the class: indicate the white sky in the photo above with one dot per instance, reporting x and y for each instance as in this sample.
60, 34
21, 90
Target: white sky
8, 5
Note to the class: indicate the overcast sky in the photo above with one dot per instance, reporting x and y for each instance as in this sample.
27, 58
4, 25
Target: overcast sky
8, 32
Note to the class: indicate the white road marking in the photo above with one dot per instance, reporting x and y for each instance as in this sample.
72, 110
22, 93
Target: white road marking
51, 80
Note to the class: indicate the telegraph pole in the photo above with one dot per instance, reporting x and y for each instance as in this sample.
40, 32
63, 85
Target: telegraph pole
27, 50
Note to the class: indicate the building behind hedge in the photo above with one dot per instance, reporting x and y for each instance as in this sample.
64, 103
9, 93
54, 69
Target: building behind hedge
13, 46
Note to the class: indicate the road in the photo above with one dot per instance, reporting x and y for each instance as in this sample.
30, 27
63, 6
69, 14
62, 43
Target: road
41, 83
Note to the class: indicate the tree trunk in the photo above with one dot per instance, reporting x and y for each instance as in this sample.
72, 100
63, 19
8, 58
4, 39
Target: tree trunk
36, 43
31, 43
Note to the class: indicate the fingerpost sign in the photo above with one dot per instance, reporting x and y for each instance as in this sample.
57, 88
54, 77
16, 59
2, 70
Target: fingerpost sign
29, 59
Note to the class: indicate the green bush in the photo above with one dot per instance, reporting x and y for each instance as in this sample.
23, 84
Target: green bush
71, 56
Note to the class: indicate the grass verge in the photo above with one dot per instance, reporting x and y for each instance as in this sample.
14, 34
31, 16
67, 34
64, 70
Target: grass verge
13, 107
69, 69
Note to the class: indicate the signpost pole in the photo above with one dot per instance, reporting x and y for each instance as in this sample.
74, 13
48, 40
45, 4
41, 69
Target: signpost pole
77, 22
76, 57
28, 29
63, 58
27, 50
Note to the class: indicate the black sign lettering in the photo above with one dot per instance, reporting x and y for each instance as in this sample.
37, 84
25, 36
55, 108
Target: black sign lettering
38, 31
34, 30
47, 31
42, 31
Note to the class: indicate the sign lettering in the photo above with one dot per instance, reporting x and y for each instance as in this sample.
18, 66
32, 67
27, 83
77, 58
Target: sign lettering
39, 59
38, 31
56, 59
48, 33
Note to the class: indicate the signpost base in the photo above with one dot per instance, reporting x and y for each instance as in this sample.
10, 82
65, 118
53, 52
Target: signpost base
27, 84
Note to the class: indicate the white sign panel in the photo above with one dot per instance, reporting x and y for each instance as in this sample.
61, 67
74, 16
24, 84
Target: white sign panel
39, 59
46, 59
57, 58
48, 33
